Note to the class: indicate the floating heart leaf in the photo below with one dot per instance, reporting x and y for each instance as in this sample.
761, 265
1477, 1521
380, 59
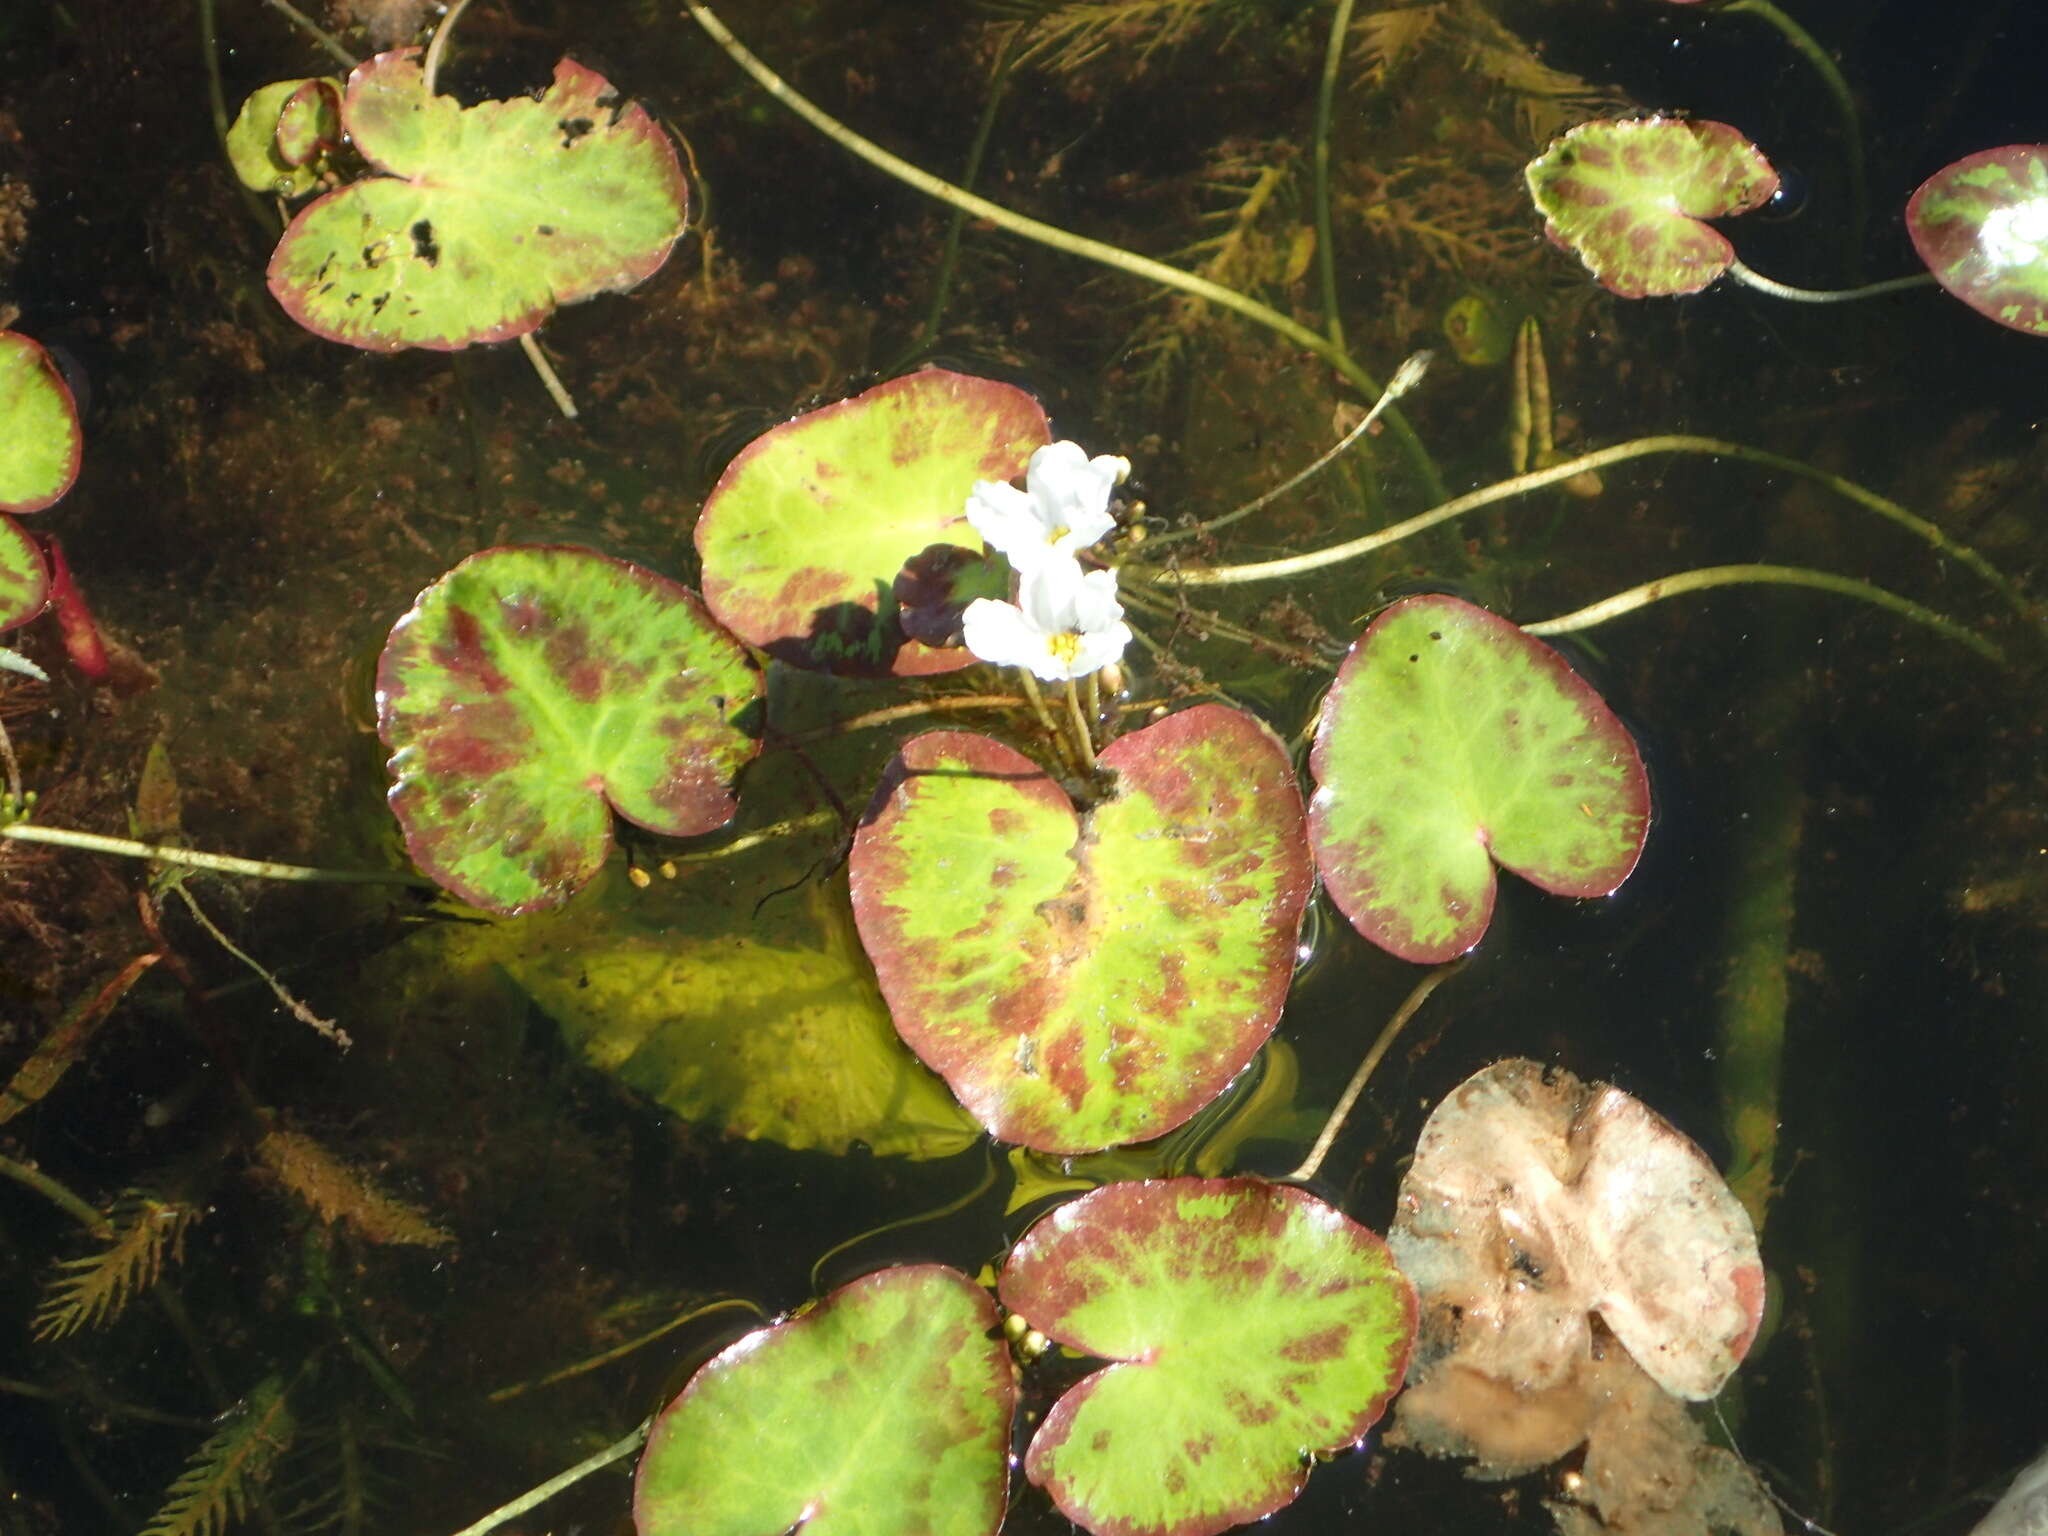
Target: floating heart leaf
1253, 1327
1452, 741
39, 437
1626, 196
884, 1409
1083, 983
279, 133
532, 686
489, 217
1981, 225
24, 578
808, 530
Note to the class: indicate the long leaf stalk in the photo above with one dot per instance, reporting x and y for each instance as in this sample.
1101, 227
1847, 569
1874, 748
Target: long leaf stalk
218, 863
1707, 577
1536, 480
1062, 240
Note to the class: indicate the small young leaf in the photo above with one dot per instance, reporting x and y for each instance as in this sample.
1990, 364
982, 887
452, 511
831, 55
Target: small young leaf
1626, 196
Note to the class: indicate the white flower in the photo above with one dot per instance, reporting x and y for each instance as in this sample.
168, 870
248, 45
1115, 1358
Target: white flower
1063, 625
1063, 508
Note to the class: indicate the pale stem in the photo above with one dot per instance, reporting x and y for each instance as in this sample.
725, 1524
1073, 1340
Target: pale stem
219, 863
1751, 278
14, 791
430, 71
1037, 701
959, 1203
1536, 480
1311, 1164
893, 712
57, 1194
333, 1032
1779, 575
1084, 739
618, 1450
1094, 686
548, 378
1060, 239
1405, 378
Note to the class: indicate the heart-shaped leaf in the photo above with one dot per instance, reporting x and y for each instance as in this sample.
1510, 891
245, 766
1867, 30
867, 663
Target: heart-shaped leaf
1253, 1327
882, 1410
1981, 225
1081, 983
1626, 196
489, 217
280, 133
39, 438
535, 689
24, 578
1452, 741
806, 534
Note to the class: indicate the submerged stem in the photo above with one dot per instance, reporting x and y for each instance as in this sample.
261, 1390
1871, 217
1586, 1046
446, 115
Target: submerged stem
1778, 575
1313, 1163
219, 863
1750, 278
1060, 239
548, 377
311, 28
618, 1450
1326, 245
1536, 480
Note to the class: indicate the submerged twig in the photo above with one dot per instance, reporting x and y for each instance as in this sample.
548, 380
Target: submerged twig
1312, 1164
219, 863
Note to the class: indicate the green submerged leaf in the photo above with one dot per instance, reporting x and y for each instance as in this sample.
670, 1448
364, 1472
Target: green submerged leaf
1981, 225
533, 690
1252, 1327
822, 526
24, 578
1452, 741
883, 1410
279, 133
1079, 982
40, 443
487, 218
1626, 196
772, 1029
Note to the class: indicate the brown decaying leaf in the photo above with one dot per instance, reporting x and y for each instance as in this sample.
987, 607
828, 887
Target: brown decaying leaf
336, 1192
67, 1042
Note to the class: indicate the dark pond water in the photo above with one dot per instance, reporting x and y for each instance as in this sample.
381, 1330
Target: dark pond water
257, 506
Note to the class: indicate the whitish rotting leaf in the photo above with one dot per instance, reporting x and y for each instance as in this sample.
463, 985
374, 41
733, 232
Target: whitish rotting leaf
884, 1409
486, 218
1251, 1328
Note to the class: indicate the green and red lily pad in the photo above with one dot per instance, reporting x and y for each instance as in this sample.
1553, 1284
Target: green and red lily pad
884, 1409
1981, 225
535, 689
486, 218
282, 132
40, 443
24, 577
1627, 197
1252, 1327
1082, 982
822, 526
1450, 742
